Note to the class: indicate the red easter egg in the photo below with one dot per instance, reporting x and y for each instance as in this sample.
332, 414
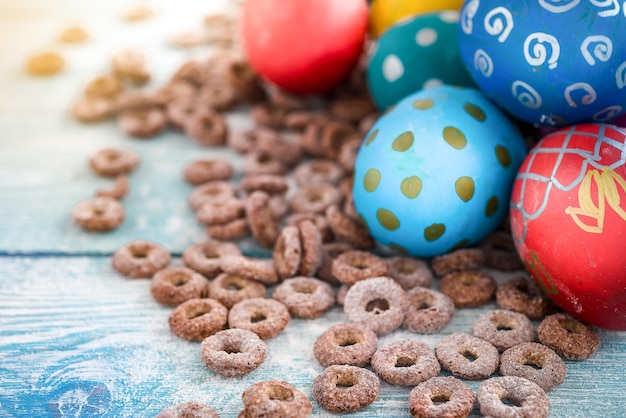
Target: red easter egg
568, 219
304, 46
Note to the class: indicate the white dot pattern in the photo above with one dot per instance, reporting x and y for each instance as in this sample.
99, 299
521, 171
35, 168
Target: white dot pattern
392, 68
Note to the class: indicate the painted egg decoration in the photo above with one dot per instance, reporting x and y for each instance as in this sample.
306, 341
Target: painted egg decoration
548, 62
385, 13
568, 220
416, 53
435, 172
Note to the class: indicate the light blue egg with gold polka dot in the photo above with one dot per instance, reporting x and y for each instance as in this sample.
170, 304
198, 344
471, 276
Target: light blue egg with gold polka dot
435, 172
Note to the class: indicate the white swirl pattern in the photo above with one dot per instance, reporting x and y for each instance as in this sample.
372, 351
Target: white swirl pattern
607, 113
558, 6
499, 21
536, 52
467, 16
526, 95
620, 76
602, 49
483, 63
587, 99
613, 4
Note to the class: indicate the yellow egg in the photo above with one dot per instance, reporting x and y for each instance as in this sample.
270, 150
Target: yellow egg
385, 13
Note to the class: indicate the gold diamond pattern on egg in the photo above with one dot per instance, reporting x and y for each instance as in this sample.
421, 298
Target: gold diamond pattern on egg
403, 142
372, 137
492, 206
465, 188
503, 156
423, 104
475, 111
371, 179
387, 219
434, 232
411, 187
454, 137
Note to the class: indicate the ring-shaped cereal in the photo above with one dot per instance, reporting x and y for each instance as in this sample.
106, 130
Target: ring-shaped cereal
467, 356
378, 302
99, 214
253, 268
312, 251
410, 272
315, 198
521, 294
468, 288
343, 388
265, 317
405, 363
318, 170
275, 398
351, 344
111, 162
261, 220
535, 362
204, 170
257, 162
287, 252
196, 319
512, 396
233, 352
461, 259
142, 122
441, 397
207, 128
172, 286
211, 191
305, 297
230, 289
503, 328
205, 257
349, 230
354, 265
569, 337
428, 311
268, 183
235, 229
188, 409
219, 212
140, 259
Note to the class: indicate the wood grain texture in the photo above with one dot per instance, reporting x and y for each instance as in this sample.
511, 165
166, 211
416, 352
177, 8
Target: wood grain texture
77, 339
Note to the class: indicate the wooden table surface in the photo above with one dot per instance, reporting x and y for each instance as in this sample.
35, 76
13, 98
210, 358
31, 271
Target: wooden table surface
79, 340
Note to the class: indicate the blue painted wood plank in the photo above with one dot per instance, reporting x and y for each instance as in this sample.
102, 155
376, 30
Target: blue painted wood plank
77, 339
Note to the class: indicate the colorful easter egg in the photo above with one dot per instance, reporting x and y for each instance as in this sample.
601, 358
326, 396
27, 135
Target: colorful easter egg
548, 62
568, 219
435, 172
385, 13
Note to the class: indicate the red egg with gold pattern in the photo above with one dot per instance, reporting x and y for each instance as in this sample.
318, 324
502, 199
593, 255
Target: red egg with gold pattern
568, 219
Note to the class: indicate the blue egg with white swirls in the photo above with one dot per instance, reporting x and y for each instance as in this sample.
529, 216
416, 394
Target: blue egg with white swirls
548, 62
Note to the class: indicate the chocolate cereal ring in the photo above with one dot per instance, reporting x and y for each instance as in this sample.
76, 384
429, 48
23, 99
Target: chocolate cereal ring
196, 319
234, 229
311, 241
405, 363
500, 252
441, 397
172, 286
352, 344
503, 328
535, 362
349, 230
246, 141
211, 191
258, 162
462, 259
188, 409
207, 169
265, 317
268, 183
428, 312
467, 356
330, 251
410, 272
233, 352
305, 297
143, 122
378, 302
111, 162
354, 265
569, 337
207, 128
275, 398
287, 252
89, 110
334, 135
99, 214
229, 289
287, 151
181, 109
205, 257
217, 95
315, 198
318, 171
318, 219
252, 268
261, 220
521, 294
140, 259
348, 152
343, 388
118, 190
268, 115
512, 396
468, 288
223, 211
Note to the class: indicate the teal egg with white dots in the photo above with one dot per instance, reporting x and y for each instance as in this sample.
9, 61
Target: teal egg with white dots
435, 172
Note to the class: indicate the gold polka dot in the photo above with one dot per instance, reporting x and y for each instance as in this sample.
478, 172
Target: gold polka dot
372, 137
464, 187
403, 142
454, 137
411, 187
434, 232
492, 206
475, 112
399, 248
387, 219
503, 155
371, 179
423, 104
461, 244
